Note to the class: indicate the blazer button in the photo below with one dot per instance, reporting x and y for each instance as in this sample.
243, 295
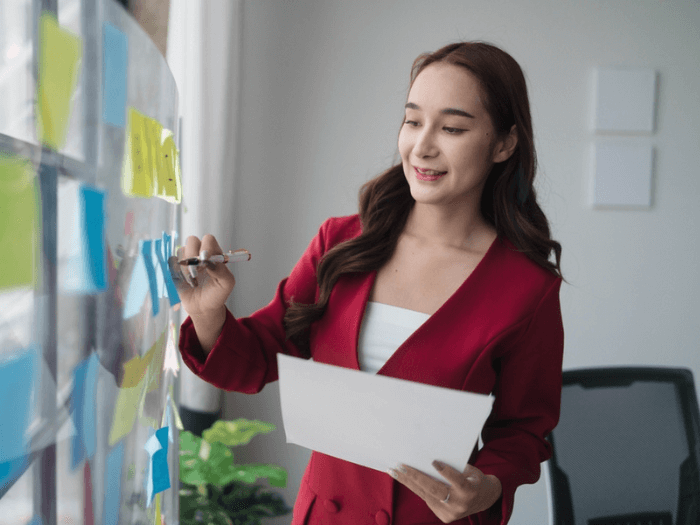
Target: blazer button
331, 506
382, 517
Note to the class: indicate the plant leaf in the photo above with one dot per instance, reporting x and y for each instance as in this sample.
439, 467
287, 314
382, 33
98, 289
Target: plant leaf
236, 432
276, 476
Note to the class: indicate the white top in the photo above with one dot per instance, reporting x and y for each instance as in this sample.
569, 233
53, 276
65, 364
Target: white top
384, 328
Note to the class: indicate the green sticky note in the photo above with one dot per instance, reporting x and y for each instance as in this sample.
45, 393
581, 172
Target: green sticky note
19, 222
137, 171
60, 53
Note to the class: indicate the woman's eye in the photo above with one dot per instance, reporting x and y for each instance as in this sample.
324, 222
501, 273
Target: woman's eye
454, 131
411, 122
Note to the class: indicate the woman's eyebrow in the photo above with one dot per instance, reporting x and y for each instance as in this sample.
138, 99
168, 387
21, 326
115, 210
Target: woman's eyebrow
446, 111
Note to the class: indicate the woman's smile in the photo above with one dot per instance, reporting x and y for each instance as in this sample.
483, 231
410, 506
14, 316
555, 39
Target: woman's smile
428, 175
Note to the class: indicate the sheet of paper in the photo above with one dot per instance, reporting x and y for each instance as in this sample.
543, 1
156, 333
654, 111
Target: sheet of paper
378, 421
19, 202
59, 66
115, 59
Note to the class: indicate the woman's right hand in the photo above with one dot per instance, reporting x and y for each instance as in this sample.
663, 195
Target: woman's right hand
204, 291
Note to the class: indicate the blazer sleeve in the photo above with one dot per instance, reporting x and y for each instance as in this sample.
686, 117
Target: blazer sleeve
527, 403
243, 358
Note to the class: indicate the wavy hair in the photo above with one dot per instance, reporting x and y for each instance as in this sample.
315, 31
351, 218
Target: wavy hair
508, 201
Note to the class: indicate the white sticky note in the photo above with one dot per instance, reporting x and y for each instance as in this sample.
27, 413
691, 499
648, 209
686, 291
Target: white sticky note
622, 173
625, 100
375, 420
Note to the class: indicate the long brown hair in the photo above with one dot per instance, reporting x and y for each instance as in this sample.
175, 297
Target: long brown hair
508, 201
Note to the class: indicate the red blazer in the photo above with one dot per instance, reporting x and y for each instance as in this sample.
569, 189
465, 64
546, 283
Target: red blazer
500, 332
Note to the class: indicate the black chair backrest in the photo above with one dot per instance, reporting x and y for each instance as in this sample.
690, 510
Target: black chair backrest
626, 450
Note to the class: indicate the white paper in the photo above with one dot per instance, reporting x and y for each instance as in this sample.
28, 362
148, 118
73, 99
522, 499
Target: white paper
378, 421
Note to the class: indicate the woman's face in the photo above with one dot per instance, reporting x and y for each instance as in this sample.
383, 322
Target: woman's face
448, 143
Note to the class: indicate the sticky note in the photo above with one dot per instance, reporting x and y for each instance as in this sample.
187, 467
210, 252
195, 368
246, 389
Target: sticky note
60, 53
82, 255
19, 227
158, 478
83, 409
17, 379
137, 175
146, 249
114, 69
161, 254
129, 398
154, 131
155, 357
9, 470
138, 287
168, 185
113, 480
157, 515
93, 202
171, 361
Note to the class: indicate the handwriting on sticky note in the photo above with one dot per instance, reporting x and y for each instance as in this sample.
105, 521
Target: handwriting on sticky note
151, 166
59, 65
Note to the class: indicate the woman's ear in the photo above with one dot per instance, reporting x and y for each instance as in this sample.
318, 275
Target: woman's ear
506, 146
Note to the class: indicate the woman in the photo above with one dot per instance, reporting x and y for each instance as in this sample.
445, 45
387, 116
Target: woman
452, 245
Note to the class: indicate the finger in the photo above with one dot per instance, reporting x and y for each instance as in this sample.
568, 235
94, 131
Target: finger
176, 270
210, 245
473, 475
427, 487
192, 247
454, 476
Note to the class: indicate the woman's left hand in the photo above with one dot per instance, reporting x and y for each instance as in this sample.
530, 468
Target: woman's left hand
467, 493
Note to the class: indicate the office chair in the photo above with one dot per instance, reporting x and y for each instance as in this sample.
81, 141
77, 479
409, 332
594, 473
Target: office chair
627, 449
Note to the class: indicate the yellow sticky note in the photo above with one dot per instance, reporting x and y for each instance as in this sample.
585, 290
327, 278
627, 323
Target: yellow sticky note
19, 222
168, 184
176, 413
155, 366
59, 66
157, 516
153, 133
128, 402
137, 173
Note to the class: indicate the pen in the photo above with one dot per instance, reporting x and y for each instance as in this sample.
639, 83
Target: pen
228, 257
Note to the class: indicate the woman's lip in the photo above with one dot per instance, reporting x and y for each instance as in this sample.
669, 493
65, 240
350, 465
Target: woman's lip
422, 175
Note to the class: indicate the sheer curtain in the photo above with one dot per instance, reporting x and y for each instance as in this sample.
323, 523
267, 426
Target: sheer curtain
204, 55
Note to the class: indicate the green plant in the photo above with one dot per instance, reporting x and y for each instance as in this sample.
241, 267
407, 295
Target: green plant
216, 491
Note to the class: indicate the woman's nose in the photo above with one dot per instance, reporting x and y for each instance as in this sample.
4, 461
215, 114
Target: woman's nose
425, 145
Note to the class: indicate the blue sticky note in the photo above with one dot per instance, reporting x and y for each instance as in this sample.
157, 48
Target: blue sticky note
138, 288
94, 237
77, 447
161, 254
113, 480
115, 61
9, 470
36, 520
17, 379
83, 254
158, 476
147, 252
83, 410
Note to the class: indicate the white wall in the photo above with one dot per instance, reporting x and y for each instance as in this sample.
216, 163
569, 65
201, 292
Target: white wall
323, 85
